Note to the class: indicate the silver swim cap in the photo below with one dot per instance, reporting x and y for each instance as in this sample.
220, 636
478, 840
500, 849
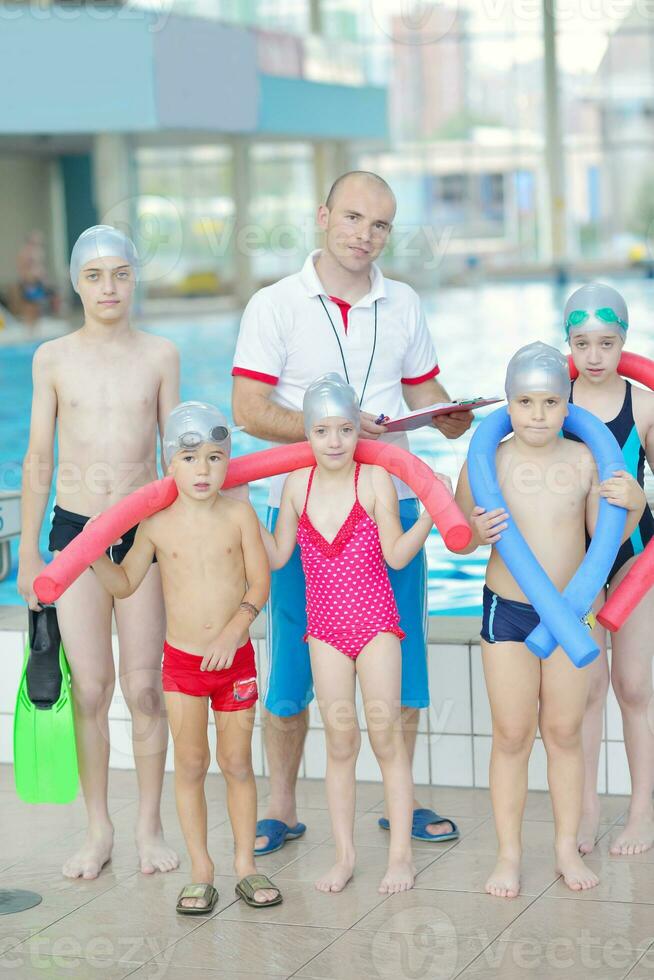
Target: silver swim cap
596, 306
537, 367
101, 242
330, 397
191, 424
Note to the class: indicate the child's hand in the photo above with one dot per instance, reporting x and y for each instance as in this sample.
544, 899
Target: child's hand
622, 490
488, 525
221, 652
94, 518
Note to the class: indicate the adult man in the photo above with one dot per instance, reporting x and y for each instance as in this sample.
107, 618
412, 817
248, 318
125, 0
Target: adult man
338, 314
105, 387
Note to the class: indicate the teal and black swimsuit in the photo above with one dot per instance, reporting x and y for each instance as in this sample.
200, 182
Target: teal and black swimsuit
624, 429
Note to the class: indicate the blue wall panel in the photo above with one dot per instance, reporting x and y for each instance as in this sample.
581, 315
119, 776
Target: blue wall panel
297, 107
77, 175
124, 70
206, 76
76, 74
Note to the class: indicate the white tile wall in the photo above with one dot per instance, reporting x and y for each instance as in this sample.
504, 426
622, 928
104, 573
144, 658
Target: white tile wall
601, 770
452, 746
6, 738
120, 741
315, 754
451, 760
367, 765
257, 752
613, 721
482, 751
421, 761
538, 766
618, 771
481, 714
12, 651
449, 689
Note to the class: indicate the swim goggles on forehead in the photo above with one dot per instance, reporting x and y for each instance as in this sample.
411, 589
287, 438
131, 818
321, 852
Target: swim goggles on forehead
191, 440
605, 313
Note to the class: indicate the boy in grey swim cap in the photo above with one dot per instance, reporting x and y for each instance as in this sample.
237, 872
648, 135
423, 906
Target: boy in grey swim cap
103, 271
104, 390
215, 580
537, 367
552, 492
101, 242
190, 425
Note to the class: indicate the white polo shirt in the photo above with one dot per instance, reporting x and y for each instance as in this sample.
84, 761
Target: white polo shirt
286, 339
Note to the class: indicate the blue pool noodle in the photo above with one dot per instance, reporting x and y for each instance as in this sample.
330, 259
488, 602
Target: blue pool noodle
593, 573
568, 630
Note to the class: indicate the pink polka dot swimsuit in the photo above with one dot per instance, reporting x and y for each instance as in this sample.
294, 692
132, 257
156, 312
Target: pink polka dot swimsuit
349, 596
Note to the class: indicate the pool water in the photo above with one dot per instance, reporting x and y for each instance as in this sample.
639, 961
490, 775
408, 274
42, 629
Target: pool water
476, 330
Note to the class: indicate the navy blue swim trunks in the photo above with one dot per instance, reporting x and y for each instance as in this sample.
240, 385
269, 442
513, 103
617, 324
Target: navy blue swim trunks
505, 620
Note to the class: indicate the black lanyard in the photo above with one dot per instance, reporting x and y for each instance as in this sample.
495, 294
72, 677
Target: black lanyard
340, 347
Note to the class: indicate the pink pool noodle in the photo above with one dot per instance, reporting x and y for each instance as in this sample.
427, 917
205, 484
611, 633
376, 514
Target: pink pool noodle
69, 564
640, 577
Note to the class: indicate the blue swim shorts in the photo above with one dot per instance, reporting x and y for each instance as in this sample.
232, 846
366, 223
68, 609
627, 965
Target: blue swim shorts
505, 620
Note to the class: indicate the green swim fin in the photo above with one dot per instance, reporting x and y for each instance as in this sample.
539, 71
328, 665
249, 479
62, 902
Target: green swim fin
45, 755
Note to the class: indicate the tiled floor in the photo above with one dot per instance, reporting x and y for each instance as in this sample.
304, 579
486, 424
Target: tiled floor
124, 924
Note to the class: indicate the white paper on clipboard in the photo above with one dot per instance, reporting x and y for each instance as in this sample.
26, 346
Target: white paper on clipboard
423, 416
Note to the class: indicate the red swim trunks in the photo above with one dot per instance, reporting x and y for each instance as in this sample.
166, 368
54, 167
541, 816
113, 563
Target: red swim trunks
232, 689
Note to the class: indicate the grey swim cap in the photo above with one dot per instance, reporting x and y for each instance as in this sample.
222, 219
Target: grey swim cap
596, 306
330, 397
101, 242
191, 424
537, 367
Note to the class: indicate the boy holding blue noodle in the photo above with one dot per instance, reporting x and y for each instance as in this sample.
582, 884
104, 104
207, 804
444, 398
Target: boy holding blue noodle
552, 490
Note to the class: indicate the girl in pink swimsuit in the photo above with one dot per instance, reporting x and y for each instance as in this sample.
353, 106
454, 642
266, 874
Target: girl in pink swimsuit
349, 595
344, 515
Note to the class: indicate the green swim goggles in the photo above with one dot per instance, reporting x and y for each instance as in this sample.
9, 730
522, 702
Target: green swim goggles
606, 314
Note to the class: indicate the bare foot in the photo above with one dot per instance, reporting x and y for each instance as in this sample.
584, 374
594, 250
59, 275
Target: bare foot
156, 855
336, 878
588, 828
576, 875
201, 874
400, 877
636, 838
262, 895
92, 856
504, 882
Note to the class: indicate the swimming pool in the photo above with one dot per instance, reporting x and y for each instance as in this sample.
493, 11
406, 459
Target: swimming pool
476, 330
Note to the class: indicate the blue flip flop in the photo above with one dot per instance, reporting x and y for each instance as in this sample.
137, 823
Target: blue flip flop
421, 820
277, 833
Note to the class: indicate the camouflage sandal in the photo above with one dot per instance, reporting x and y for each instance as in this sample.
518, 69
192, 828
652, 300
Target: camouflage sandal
248, 886
206, 892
